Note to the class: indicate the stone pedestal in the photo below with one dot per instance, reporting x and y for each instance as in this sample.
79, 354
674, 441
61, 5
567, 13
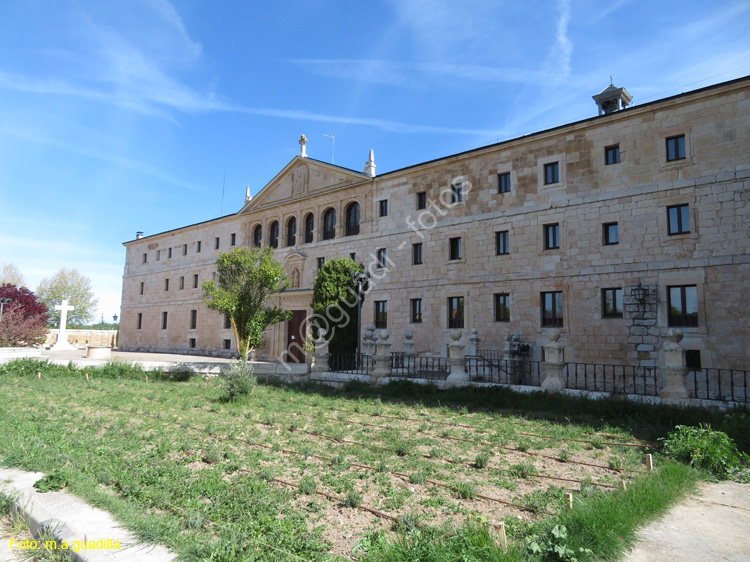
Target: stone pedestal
553, 365
368, 341
409, 346
474, 340
382, 368
99, 351
320, 355
458, 375
673, 374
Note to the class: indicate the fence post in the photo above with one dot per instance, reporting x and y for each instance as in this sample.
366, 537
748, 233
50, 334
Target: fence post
673, 374
320, 355
553, 363
474, 340
458, 375
382, 368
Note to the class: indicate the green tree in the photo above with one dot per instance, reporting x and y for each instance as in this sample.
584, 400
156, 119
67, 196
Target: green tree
76, 288
245, 280
335, 303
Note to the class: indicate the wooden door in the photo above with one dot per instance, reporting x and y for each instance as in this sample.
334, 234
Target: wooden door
295, 340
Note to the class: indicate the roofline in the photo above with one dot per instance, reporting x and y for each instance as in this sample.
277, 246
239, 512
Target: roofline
572, 124
179, 228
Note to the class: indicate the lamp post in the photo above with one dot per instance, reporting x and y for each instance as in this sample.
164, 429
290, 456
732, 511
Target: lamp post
114, 317
3, 302
360, 278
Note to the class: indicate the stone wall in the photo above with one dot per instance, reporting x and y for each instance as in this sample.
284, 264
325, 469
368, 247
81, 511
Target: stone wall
83, 338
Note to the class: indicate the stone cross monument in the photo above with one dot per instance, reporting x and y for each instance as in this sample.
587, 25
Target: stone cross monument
62, 335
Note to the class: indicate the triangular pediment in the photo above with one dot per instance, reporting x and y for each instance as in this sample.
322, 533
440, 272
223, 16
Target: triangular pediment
300, 178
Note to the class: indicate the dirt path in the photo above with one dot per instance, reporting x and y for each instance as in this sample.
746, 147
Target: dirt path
711, 526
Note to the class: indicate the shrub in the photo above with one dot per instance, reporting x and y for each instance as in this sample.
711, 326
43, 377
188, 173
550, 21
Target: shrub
353, 499
24, 319
238, 380
706, 449
307, 486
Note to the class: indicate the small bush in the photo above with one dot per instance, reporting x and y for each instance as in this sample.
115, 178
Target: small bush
707, 449
51, 482
466, 491
482, 459
238, 380
307, 486
353, 499
417, 478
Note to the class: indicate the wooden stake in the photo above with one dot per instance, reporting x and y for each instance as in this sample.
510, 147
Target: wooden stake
87, 376
146, 378
39, 374
569, 496
650, 461
624, 486
501, 535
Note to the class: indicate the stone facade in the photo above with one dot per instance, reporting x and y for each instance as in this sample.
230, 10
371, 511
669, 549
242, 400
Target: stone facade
563, 198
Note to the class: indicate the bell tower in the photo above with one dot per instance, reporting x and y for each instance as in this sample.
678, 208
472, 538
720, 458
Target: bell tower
612, 99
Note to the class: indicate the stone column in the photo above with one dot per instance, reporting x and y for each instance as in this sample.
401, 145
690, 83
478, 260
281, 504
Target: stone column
673, 374
553, 363
382, 358
320, 355
458, 375
474, 340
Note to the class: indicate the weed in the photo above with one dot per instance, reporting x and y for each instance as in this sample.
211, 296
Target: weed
307, 486
707, 449
51, 482
564, 455
615, 462
417, 478
353, 499
466, 490
482, 459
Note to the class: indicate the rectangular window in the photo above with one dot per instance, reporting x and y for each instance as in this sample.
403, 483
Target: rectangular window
195, 281
682, 302
192, 343
182, 282
169, 253
551, 173
353, 256
551, 236
184, 249
140, 320
233, 239
502, 307
676, 148
455, 252
416, 311
217, 243
163, 320
503, 182
166, 284
381, 258
158, 255
501, 243
611, 233
193, 319
678, 217
693, 359
198, 247
227, 344
381, 315
145, 258
421, 200
612, 303
227, 322
416, 254
457, 193
383, 208
455, 312
142, 287
321, 263
552, 309
612, 155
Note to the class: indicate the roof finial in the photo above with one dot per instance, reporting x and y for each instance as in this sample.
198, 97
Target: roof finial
611, 82
302, 143
370, 165
248, 197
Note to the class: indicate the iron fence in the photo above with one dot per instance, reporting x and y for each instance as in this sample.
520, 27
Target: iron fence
615, 379
351, 363
431, 368
719, 384
503, 371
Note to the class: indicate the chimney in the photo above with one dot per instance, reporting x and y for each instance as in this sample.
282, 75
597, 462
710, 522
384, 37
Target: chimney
370, 165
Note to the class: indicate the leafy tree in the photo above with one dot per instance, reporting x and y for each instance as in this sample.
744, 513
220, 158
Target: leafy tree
11, 275
76, 288
246, 278
24, 319
335, 303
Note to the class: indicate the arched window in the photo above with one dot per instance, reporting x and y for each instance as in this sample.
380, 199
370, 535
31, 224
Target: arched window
309, 227
257, 236
273, 235
352, 219
291, 231
329, 224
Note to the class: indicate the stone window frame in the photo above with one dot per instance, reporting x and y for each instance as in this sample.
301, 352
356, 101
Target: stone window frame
325, 233
382, 208
198, 247
287, 225
352, 229
455, 291
381, 259
320, 262
455, 323
499, 246
606, 241
561, 171
670, 133
414, 247
184, 249
158, 255
556, 322
494, 179
694, 319
496, 298
217, 242
680, 221
662, 218
461, 248
193, 319
415, 312
684, 277
380, 314
145, 258
274, 234
614, 314
227, 344
612, 149
169, 253
546, 229
258, 240
166, 284
421, 200
309, 235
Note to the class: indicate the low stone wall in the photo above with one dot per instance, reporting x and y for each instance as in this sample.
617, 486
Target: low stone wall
83, 338
11, 353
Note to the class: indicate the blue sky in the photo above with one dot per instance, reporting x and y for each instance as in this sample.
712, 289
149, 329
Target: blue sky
126, 116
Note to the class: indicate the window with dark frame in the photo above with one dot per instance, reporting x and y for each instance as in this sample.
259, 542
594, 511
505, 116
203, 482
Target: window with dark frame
353, 256
195, 281
421, 200
309, 227
227, 322
184, 249
457, 193
352, 219
166, 284
611, 233
612, 155
383, 208
193, 343
257, 235
291, 231
503, 182
676, 148
552, 236
329, 224
682, 304
551, 173
233, 239
502, 246
456, 312
612, 303
381, 315
227, 344
416, 311
140, 321
217, 243
145, 258
163, 320
382, 258
182, 282
678, 217
193, 319
693, 359
142, 285
552, 309
455, 252
321, 263
502, 307
416, 254
169, 253
273, 235
198, 247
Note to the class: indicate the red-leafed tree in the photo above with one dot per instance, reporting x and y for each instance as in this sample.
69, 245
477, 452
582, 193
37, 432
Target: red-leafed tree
24, 320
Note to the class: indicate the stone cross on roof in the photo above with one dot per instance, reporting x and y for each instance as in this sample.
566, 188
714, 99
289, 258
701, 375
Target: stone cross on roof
302, 143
